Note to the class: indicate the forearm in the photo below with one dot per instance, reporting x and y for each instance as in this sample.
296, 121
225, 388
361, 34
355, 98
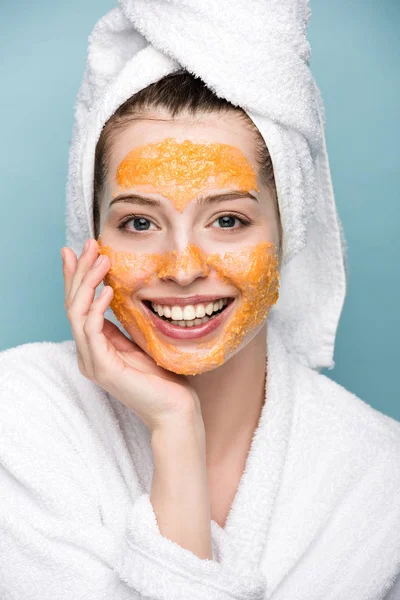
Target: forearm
179, 493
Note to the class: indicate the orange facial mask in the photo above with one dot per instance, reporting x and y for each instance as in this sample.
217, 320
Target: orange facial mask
253, 271
180, 171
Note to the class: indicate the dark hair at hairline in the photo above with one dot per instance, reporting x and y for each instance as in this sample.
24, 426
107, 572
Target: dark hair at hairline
176, 92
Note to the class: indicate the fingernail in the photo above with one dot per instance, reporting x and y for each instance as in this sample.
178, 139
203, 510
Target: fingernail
98, 260
86, 246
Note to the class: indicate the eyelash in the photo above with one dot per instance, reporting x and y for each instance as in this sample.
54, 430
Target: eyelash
121, 226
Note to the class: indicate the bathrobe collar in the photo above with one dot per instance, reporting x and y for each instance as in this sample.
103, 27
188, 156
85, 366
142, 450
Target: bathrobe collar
243, 538
317, 504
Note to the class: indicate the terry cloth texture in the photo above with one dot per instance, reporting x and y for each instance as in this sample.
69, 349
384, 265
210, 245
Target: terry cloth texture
316, 515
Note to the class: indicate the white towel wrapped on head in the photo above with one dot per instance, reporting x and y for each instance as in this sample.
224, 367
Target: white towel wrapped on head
255, 54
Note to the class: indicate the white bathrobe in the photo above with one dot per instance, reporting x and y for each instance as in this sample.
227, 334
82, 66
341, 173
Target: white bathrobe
316, 515
317, 512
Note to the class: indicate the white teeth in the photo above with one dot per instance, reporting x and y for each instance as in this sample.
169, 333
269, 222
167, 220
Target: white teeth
190, 323
189, 313
210, 308
200, 311
176, 313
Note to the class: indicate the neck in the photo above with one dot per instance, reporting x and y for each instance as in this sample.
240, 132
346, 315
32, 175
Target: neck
232, 397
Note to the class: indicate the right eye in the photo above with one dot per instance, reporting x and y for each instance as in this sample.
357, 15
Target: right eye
140, 224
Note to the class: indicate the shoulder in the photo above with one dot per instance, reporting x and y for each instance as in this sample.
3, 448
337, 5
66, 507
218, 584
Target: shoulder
34, 359
41, 384
45, 398
342, 430
37, 357
42, 368
363, 449
344, 409
44, 430
340, 427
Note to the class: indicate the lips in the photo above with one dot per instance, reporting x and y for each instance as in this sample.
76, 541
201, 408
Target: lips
189, 333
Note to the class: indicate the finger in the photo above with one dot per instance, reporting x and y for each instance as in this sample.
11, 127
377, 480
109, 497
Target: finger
85, 262
107, 363
102, 351
79, 308
69, 267
85, 293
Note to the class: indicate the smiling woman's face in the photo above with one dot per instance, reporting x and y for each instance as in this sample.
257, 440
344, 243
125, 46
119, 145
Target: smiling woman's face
184, 214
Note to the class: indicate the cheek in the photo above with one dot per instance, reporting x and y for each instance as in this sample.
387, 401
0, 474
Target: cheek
253, 270
129, 272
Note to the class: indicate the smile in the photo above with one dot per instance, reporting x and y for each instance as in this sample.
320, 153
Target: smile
189, 330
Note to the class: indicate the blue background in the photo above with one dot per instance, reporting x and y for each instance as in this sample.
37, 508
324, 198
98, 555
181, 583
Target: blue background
355, 59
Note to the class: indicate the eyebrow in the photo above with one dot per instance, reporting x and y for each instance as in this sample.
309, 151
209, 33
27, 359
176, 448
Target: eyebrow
201, 201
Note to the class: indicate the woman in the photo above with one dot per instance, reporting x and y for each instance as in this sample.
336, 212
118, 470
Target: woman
169, 453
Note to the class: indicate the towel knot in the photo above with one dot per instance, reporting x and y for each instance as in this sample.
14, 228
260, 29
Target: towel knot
236, 54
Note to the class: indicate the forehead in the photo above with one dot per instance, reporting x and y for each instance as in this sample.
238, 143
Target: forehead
205, 129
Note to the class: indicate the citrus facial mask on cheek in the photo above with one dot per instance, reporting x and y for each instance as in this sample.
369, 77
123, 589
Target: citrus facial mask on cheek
180, 171
252, 270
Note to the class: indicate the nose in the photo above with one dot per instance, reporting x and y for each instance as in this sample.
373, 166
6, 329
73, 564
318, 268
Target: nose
185, 266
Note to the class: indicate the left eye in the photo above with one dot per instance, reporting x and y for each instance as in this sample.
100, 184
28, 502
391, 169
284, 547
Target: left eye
226, 220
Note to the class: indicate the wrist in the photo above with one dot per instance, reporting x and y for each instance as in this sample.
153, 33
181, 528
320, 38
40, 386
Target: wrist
179, 430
